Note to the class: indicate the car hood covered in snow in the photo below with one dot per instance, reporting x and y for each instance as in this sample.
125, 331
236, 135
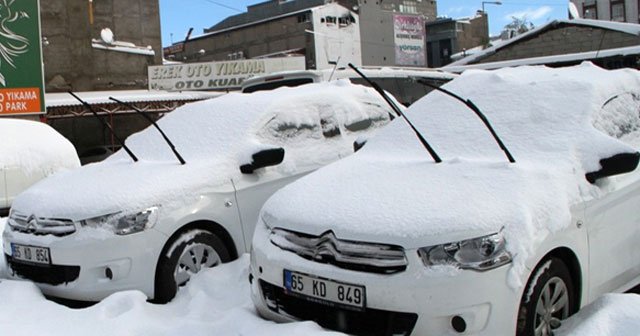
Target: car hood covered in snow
214, 137
393, 192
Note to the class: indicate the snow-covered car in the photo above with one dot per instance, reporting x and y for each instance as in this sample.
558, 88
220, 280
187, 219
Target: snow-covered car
29, 152
506, 235
151, 224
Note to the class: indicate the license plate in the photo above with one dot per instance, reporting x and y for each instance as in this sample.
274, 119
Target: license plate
33, 254
324, 291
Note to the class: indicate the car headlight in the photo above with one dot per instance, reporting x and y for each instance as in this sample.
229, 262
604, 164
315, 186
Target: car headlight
479, 254
125, 223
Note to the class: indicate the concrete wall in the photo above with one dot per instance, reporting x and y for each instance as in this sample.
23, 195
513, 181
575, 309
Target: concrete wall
278, 35
72, 63
564, 39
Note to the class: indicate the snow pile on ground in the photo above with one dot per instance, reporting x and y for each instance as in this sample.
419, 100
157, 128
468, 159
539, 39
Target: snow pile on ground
610, 315
214, 137
215, 302
33, 146
392, 191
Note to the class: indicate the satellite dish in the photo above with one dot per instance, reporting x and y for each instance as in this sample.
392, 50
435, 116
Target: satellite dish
106, 35
573, 11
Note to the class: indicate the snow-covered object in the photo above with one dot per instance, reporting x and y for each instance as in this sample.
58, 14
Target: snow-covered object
610, 315
34, 146
214, 137
393, 192
215, 302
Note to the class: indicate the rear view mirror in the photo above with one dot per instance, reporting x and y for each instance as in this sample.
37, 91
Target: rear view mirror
617, 164
263, 158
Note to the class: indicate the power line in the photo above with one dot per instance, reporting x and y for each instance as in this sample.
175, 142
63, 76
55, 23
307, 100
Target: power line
225, 6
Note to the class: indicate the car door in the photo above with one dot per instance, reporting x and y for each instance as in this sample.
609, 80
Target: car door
613, 219
252, 190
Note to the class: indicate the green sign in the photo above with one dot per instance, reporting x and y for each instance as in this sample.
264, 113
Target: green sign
21, 77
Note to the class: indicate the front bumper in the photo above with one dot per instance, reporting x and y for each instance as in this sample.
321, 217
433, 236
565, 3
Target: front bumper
417, 301
89, 265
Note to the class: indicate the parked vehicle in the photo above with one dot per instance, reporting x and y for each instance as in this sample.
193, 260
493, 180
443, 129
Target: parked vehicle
29, 152
400, 82
151, 224
494, 240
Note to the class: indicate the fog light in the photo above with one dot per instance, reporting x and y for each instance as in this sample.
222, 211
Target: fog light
458, 324
108, 273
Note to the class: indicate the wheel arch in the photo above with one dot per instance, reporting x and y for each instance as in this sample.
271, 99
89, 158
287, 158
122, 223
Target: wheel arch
570, 259
210, 226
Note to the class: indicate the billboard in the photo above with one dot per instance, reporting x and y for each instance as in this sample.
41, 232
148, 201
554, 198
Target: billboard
217, 75
21, 75
409, 39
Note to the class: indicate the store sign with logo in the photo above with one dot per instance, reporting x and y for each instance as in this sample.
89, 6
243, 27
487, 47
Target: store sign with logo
217, 75
21, 74
409, 38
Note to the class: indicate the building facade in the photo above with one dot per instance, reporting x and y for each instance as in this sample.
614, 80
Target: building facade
381, 33
99, 45
323, 33
446, 37
609, 10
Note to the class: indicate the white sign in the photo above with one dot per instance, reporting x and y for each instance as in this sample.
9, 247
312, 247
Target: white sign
217, 75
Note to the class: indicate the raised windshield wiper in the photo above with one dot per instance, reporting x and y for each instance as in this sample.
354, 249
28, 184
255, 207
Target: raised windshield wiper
475, 109
173, 148
104, 123
395, 107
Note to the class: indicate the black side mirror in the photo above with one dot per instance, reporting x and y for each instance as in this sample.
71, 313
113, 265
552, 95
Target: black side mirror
263, 158
358, 144
617, 164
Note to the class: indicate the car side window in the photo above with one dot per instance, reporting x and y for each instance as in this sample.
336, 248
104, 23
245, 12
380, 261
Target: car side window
284, 130
619, 117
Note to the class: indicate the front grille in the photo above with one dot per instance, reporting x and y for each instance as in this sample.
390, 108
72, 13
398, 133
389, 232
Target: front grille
41, 226
352, 255
49, 274
370, 322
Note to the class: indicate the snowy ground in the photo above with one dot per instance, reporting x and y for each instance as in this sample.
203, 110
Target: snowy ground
216, 302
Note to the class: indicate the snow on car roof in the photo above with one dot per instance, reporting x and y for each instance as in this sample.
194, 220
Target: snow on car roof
214, 137
33, 145
393, 192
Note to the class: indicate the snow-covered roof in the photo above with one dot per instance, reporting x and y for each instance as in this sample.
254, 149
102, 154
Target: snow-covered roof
629, 28
33, 146
131, 96
547, 60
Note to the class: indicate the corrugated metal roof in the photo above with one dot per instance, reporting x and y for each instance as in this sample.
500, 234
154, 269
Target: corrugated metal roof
130, 96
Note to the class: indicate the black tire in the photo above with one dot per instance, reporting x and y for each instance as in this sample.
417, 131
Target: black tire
549, 287
199, 248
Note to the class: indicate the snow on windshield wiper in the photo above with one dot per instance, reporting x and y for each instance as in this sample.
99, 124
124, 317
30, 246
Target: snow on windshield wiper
477, 111
395, 108
104, 123
173, 148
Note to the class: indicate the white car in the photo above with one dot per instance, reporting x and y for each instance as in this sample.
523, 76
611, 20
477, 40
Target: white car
491, 240
29, 152
151, 224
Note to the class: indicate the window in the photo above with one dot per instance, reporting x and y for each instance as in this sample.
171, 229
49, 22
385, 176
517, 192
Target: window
409, 7
618, 12
619, 118
305, 17
590, 10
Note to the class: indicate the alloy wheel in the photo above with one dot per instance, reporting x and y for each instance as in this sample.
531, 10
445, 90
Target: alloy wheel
194, 258
551, 307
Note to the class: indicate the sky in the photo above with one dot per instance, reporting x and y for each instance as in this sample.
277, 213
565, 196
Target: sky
177, 16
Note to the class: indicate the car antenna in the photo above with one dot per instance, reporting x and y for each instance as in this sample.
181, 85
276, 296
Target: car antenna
87, 105
396, 109
173, 148
477, 111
